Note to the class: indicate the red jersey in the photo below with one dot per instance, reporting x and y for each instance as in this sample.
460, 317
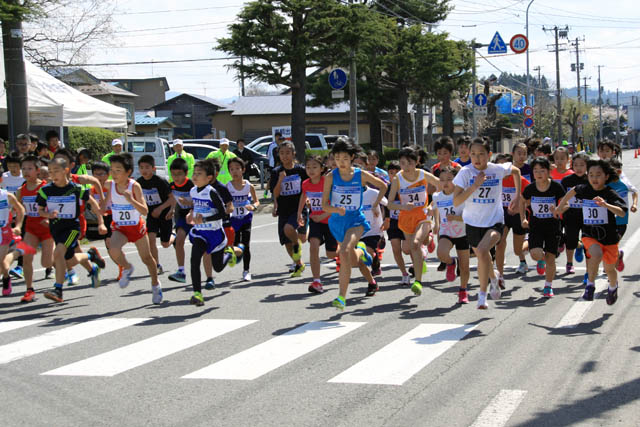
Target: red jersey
509, 189
557, 176
99, 197
314, 194
436, 168
34, 223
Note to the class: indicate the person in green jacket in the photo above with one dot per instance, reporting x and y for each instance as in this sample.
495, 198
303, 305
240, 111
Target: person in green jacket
223, 155
116, 148
178, 147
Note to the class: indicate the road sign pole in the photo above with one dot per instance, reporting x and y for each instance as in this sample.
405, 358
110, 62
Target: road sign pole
474, 91
353, 96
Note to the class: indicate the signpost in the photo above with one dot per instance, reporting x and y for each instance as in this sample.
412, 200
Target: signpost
528, 122
480, 111
480, 100
528, 111
519, 43
497, 45
338, 79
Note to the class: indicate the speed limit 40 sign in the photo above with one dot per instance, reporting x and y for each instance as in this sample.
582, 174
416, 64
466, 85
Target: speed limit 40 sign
519, 43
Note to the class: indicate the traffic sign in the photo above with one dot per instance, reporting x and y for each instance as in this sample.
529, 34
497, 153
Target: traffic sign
497, 45
519, 43
528, 111
480, 100
528, 122
480, 111
337, 94
338, 79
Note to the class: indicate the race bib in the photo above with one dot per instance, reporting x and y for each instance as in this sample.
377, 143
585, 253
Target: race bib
508, 195
315, 200
487, 194
211, 225
184, 194
542, 207
13, 188
240, 207
573, 202
30, 205
125, 214
593, 214
414, 195
394, 214
65, 205
349, 198
290, 185
4, 212
445, 207
152, 197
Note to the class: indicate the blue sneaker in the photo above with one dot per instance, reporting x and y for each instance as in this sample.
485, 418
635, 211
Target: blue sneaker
210, 284
17, 272
366, 257
72, 278
95, 276
579, 253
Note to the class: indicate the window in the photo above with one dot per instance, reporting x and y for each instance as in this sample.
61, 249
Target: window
142, 147
314, 141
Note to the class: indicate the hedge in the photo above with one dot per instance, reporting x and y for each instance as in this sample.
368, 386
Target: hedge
96, 140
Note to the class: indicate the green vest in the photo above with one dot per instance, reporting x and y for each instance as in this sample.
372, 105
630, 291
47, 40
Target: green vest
224, 176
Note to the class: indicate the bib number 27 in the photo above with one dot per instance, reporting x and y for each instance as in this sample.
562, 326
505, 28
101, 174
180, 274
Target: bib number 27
484, 192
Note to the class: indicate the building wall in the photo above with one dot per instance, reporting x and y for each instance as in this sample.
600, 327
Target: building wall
150, 92
197, 125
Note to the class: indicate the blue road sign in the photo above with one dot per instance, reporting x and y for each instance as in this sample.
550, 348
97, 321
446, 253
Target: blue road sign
480, 100
497, 45
528, 122
338, 79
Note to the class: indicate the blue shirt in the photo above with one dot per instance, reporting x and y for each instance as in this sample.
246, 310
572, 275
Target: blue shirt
461, 163
623, 191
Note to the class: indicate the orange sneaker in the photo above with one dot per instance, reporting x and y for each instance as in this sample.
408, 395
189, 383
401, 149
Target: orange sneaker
120, 270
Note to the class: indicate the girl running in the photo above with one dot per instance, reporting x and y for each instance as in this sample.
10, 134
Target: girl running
623, 188
573, 216
394, 234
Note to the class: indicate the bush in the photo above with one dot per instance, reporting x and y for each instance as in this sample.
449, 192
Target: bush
96, 140
309, 152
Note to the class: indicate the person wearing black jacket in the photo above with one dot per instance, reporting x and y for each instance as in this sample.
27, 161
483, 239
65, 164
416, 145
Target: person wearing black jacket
245, 155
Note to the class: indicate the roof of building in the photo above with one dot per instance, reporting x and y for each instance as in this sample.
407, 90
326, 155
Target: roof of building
277, 104
146, 120
104, 88
74, 76
215, 102
164, 80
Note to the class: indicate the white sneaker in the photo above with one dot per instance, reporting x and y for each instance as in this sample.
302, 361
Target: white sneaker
494, 289
405, 280
482, 302
126, 277
246, 276
522, 268
156, 298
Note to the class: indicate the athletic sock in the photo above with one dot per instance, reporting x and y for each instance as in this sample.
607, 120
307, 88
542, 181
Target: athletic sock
611, 289
181, 269
549, 284
316, 279
590, 283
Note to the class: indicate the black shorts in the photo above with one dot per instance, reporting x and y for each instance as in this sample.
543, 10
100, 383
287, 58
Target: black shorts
546, 239
161, 226
572, 226
293, 221
393, 232
621, 228
460, 243
371, 241
513, 222
69, 238
476, 234
320, 231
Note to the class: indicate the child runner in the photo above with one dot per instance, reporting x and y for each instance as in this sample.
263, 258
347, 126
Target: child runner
319, 232
12, 180
181, 188
511, 222
463, 143
160, 206
451, 231
600, 206
245, 202
128, 206
520, 154
9, 204
207, 235
411, 186
36, 228
342, 198
372, 166
623, 188
394, 234
481, 183
371, 239
444, 149
60, 202
573, 216
286, 184
544, 231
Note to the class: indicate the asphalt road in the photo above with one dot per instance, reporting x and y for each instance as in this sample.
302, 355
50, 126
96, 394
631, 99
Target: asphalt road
269, 353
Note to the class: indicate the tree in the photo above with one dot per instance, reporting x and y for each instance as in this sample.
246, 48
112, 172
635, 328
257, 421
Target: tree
572, 112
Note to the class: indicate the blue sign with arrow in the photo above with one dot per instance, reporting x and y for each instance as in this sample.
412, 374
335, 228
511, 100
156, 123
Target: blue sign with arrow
497, 45
480, 100
338, 79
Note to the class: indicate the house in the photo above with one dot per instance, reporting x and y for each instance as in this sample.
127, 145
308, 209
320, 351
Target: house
190, 113
150, 91
159, 127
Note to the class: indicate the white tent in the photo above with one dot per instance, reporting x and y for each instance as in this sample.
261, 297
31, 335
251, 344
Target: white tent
54, 103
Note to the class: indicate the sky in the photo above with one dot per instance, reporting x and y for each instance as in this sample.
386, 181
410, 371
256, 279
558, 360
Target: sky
187, 29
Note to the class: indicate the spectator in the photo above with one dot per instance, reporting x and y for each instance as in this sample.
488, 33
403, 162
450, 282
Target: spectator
34, 141
42, 151
245, 155
116, 148
53, 141
223, 155
272, 153
178, 153
22, 144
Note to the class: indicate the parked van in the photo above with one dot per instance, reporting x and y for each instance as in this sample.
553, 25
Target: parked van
314, 141
158, 148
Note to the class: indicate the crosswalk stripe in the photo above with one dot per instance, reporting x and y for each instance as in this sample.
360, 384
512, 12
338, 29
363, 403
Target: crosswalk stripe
500, 409
16, 324
400, 360
61, 337
263, 358
131, 356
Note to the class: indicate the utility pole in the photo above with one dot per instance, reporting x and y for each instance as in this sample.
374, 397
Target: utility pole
353, 95
242, 91
527, 99
474, 89
538, 69
586, 101
618, 116
15, 76
600, 101
578, 65
558, 33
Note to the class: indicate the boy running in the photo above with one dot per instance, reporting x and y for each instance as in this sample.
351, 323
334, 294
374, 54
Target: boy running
463, 143
181, 189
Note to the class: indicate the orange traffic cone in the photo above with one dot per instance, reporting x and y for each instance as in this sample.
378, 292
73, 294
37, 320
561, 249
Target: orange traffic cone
635, 156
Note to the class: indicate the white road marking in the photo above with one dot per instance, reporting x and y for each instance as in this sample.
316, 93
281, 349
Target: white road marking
398, 361
500, 409
137, 354
263, 225
15, 324
263, 358
61, 337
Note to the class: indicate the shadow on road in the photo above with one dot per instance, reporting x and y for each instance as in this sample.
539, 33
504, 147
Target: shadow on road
589, 328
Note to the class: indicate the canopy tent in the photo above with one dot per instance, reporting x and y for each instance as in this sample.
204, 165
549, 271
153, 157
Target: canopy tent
54, 103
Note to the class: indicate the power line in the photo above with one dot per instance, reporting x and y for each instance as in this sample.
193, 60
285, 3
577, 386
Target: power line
149, 62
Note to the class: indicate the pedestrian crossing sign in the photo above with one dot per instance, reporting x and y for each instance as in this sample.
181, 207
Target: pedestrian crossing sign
497, 45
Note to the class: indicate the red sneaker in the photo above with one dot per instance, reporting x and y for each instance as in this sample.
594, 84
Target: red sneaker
432, 244
337, 260
120, 270
29, 296
463, 297
620, 263
451, 271
316, 287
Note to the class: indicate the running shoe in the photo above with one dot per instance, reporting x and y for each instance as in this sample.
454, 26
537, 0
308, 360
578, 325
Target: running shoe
178, 276
547, 292
442, 266
233, 259
451, 271
376, 272
482, 302
372, 289
416, 288
94, 256
246, 276
6, 288
197, 299
298, 271
541, 267
494, 289
156, 291
579, 255
339, 303
432, 244
316, 287
292, 267
72, 278
463, 297
412, 271
160, 269
365, 257
522, 268
588, 293
612, 296
570, 268
620, 263
54, 295
337, 260
210, 284
297, 254
405, 280
17, 272
126, 277
239, 257
47, 272
119, 272
501, 284
29, 296
95, 276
